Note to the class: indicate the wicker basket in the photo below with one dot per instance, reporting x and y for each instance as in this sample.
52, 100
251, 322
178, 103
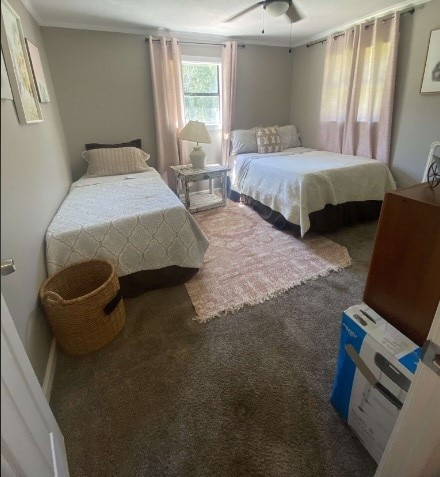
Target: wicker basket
83, 305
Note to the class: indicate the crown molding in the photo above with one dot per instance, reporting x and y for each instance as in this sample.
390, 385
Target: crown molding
396, 8
183, 36
109, 29
204, 37
31, 9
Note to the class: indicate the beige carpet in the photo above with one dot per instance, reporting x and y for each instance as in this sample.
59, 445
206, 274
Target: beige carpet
249, 261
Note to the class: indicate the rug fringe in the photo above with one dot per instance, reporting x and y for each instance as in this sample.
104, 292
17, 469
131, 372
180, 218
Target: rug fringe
232, 310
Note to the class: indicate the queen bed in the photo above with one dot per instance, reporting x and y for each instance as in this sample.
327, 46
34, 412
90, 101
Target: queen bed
135, 221
313, 190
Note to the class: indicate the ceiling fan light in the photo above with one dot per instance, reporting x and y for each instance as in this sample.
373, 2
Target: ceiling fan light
277, 8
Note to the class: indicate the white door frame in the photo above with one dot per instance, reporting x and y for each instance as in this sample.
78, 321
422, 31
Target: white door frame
413, 449
31, 441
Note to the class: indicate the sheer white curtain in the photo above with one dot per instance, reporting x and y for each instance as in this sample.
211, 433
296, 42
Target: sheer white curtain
358, 90
229, 75
168, 102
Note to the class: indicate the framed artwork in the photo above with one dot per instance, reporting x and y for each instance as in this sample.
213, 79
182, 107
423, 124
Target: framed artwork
431, 75
18, 67
37, 70
6, 87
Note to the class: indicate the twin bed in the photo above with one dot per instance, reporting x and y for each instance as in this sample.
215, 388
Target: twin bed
133, 220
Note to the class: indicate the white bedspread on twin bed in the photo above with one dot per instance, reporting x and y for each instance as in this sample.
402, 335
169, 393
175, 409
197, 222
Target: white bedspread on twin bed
299, 181
133, 220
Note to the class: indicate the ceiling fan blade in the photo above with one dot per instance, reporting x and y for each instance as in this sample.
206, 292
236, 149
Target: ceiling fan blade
246, 10
293, 14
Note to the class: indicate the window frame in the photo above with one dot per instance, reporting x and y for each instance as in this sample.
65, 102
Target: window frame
207, 60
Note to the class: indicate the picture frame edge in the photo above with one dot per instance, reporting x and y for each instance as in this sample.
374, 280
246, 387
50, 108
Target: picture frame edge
11, 97
425, 65
11, 70
27, 41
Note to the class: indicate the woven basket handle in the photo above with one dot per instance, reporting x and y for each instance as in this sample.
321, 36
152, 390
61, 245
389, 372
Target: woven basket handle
113, 303
53, 297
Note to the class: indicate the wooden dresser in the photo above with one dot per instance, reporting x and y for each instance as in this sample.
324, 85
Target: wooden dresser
403, 283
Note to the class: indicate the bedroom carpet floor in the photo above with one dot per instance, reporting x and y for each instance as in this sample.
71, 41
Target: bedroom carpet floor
242, 395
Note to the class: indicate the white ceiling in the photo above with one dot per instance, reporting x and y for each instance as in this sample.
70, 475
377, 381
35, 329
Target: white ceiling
194, 19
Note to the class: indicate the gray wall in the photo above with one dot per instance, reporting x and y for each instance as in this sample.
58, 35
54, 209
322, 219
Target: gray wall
307, 75
264, 78
416, 116
103, 85
416, 122
35, 178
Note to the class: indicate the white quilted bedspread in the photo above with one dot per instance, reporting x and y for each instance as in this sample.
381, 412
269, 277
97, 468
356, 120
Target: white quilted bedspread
135, 221
299, 181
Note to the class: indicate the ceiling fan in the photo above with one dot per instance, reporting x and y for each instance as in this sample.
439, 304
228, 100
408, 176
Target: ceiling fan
275, 8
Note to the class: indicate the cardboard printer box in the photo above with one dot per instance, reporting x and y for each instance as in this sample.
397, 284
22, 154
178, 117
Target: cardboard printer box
376, 364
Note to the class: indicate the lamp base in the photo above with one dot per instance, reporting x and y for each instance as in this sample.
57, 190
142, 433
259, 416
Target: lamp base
197, 157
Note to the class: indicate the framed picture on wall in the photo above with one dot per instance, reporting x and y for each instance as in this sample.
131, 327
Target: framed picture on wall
18, 67
37, 70
431, 75
6, 87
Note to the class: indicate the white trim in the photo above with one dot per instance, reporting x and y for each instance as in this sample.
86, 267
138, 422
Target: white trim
182, 36
213, 127
28, 417
188, 36
110, 29
413, 445
31, 9
396, 8
206, 60
50, 370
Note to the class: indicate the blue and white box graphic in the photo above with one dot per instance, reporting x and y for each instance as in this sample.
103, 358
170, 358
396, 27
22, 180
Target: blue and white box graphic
376, 364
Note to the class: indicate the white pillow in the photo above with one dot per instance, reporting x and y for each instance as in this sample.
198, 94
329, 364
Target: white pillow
289, 136
115, 161
243, 141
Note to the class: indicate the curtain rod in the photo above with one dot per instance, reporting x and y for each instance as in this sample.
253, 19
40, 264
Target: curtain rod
336, 35
199, 43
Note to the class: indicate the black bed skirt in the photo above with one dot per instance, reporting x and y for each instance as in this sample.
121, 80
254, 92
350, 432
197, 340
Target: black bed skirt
140, 282
328, 219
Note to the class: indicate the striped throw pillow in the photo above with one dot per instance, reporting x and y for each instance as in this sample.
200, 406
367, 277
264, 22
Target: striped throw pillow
115, 161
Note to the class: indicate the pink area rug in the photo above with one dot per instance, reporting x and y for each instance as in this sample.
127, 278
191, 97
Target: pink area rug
249, 261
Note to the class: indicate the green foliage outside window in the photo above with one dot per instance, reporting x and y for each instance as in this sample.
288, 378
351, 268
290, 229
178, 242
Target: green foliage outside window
201, 92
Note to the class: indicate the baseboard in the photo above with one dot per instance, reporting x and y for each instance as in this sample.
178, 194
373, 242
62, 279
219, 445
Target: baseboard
50, 370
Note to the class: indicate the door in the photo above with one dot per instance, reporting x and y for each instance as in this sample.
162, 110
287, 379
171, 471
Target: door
32, 443
414, 446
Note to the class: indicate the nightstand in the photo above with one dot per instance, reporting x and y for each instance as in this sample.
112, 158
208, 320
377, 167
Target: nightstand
204, 200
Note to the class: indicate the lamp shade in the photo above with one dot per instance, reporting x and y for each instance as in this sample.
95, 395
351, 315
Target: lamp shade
277, 8
195, 131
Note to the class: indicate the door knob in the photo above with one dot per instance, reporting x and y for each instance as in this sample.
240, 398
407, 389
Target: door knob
7, 266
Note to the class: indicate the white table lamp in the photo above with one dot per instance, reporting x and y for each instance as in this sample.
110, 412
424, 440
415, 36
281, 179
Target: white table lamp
196, 131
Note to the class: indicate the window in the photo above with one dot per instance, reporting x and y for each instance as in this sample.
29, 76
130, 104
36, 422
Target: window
201, 90
335, 95
374, 75
373, 64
